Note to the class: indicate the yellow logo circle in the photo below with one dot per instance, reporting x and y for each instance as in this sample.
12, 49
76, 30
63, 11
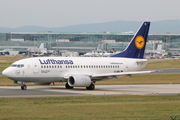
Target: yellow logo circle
139, 42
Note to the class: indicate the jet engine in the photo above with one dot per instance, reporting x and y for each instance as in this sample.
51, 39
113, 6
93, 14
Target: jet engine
79, 81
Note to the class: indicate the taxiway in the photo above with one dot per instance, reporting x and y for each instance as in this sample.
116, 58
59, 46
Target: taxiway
56, 91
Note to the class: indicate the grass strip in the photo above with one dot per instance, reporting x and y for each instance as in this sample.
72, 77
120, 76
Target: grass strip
91, 107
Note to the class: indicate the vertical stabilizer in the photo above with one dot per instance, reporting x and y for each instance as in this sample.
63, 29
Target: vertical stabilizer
41, 45
137, 46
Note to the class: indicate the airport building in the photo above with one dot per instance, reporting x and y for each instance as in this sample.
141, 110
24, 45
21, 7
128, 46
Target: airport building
86, 42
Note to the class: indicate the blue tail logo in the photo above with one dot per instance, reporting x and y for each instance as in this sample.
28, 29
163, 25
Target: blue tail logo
137, 46
111, 51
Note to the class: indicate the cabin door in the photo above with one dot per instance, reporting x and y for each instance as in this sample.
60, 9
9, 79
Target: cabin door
35, 67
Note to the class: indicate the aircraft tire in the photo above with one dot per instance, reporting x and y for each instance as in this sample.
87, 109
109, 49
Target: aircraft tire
91, 87
23, 87
67, 86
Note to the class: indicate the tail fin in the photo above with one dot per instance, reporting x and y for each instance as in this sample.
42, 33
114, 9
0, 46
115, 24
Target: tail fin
111, 51
136, 47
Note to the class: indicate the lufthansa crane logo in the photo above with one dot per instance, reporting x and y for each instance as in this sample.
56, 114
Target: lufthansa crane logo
139, 42
17, 72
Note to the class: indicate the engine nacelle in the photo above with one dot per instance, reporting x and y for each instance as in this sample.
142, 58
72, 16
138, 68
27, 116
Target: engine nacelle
79, 81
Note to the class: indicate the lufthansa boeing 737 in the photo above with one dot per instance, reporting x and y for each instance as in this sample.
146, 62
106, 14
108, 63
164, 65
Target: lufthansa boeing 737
82, 71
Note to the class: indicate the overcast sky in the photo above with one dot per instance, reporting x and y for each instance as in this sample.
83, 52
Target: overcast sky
59, 13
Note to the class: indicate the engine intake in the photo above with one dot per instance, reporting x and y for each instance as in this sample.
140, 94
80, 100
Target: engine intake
79, 81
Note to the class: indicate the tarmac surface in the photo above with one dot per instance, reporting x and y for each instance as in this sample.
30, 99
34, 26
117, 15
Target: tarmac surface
100, 90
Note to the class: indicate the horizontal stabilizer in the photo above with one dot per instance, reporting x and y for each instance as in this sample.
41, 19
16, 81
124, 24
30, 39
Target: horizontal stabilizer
142, 61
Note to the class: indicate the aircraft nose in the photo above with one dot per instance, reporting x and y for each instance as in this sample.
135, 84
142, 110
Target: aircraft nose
6, 72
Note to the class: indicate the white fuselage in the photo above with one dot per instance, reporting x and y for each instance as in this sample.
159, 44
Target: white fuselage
55, 69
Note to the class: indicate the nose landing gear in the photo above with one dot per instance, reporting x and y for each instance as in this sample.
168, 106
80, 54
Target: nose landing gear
23, 87
23, 84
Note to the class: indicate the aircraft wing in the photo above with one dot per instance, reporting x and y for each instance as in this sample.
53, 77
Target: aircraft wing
120, 74
111, 74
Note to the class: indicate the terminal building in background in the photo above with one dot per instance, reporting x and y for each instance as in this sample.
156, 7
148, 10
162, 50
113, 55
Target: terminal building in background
85, 42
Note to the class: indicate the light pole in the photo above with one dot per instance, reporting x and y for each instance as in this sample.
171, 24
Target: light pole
57, 47
34, 45
49, 40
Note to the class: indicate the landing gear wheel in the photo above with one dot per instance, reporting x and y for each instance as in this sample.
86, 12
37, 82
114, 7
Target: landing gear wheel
91, 87
67, 86
23, 87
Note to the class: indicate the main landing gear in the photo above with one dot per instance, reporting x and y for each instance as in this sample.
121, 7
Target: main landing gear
91, 87
23, 87
67, 86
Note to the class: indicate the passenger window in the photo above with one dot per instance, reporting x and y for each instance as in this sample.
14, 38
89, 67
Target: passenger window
22, 65
49, 66
44, 66
60, 66
52, 66
41, 66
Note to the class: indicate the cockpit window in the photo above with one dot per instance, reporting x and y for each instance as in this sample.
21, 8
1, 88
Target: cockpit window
17, 65
13, 65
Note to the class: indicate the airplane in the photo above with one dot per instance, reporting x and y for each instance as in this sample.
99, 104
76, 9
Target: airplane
111, 51
100, 53
82, 71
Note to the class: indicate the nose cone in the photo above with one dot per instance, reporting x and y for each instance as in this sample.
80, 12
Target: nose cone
7, 72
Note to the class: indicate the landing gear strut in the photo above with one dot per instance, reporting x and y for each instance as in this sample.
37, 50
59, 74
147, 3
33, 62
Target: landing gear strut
23, 87
91, 87
23, 84
67, 86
